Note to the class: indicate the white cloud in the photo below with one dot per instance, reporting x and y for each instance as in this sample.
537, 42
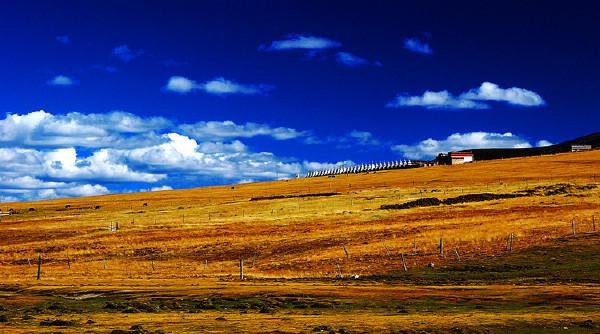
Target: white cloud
221, 86
77, 190
64, 164
61, 80
161, 188
214, 159
43, 155
491, 92
182, 85
542, 143
229, 129
301, 42
430, 148
84, 190
6, 199
417, 46
126, 54
354, 139
363, 138
471, 99
217, 86
435, 100
351, 60
40, 128
30, 188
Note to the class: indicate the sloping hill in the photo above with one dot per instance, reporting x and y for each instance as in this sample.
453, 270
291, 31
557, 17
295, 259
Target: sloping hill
503, 153
321, 255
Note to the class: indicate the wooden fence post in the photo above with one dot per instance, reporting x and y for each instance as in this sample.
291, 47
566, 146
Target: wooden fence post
593, 223
339, 271
346, 251
415, 246
69, 261
241, 268
573, 226
403, 262
441, 247
39, 269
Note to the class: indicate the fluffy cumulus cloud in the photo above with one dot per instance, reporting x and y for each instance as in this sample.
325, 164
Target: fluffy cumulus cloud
491, 92
301, 42
125, 53
45, 155
217, 86
351, 60
418, 46
40, 128
62, 80
233, 160
430, 148
472, 99
229, 129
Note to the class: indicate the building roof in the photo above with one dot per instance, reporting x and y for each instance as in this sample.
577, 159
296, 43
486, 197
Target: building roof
461, 154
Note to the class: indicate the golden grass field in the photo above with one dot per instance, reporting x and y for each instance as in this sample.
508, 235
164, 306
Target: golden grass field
173, 264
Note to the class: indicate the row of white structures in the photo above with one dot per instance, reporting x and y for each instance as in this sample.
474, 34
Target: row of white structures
363, 168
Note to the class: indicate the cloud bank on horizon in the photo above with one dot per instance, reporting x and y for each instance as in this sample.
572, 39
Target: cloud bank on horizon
43, 155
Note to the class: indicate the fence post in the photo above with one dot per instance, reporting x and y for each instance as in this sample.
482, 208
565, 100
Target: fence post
339, 271
573, 226
415, 246
346, 251
403, 262
593, 223
39, 270
205, 264
69, 261
241, 268
441, 247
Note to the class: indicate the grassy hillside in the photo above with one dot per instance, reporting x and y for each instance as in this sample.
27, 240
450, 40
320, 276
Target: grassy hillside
173, 264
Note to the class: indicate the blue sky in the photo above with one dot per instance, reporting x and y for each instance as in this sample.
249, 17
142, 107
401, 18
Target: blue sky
109, 96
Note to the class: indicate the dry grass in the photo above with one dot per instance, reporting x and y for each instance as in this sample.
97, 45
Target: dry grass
165, 238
